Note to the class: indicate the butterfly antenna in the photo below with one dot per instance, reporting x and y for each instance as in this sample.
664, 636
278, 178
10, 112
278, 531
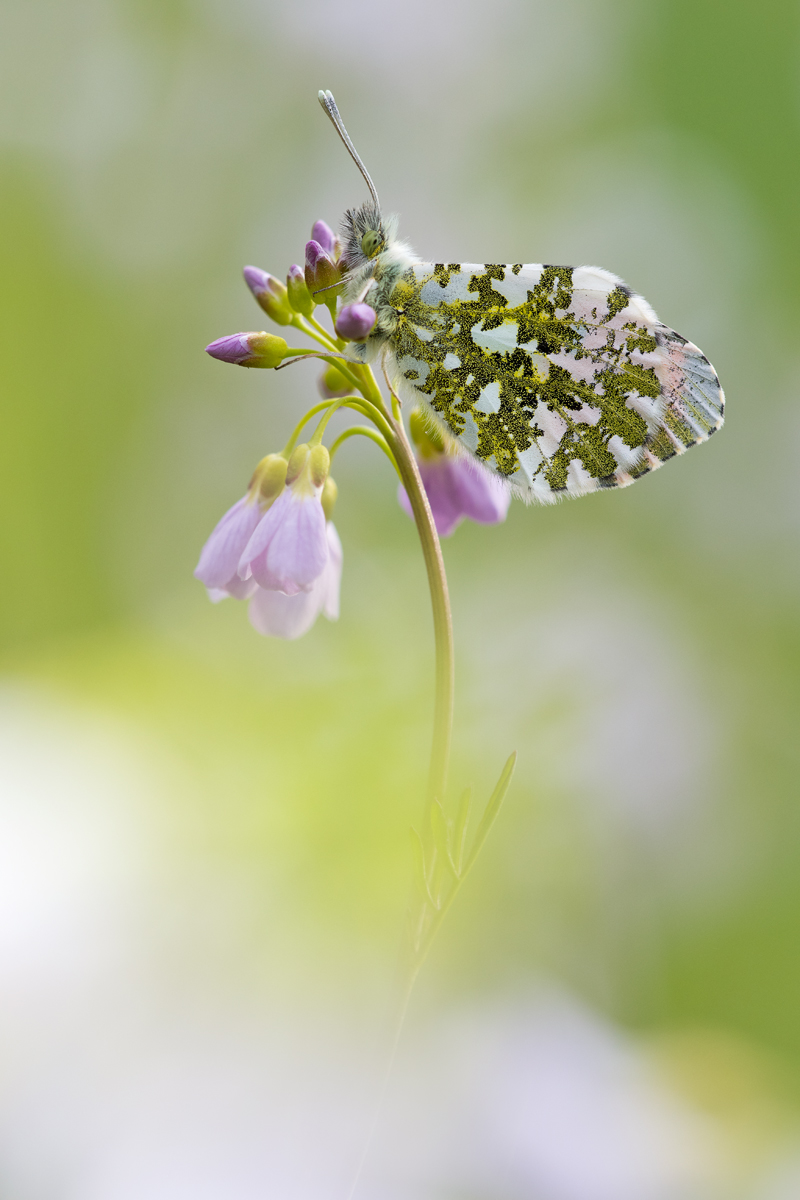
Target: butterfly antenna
329, 104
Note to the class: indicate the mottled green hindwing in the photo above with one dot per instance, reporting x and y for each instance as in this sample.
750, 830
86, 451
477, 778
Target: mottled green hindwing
558, 378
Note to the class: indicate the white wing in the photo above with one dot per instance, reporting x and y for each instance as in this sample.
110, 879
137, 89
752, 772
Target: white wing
558, 378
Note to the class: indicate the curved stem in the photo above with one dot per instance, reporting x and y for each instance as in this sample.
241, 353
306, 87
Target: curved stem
322, 331
357, 403
442, 619
394, 431
365, 431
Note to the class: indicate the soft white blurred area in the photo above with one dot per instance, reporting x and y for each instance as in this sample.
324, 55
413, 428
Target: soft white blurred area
151, 1047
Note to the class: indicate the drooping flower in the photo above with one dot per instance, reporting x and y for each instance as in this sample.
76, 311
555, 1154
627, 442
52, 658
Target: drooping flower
456, 486
219, 558
356, 321
249, 349
288, 551
296, 574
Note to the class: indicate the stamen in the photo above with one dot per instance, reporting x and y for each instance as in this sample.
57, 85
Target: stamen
329, 104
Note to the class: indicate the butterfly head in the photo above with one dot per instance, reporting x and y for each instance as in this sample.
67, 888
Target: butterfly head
372, 257
366, 236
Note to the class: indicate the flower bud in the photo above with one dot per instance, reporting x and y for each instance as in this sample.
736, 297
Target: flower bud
269, 477
321, 272
329, 493
249, 349
320, 464
428, 439
332, 384
356, 321
324, 235
270, 294
299, 296
297, 461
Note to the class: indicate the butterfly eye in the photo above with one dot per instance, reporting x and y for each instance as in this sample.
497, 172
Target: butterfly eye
371, 243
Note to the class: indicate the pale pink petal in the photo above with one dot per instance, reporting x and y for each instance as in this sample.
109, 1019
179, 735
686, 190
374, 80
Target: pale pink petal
332, 575
277, 615
298, 551
239, 589
263, 533
457, 488
270, 582
220, 555
481, 496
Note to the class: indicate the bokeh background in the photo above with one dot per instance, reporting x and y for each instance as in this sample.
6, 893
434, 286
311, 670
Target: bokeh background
204, 858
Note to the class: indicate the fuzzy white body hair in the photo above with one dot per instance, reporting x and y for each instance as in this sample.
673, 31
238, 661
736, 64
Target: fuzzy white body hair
372, 280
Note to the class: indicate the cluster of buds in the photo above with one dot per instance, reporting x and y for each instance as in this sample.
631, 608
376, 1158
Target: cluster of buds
456, 486
319, 282
277, 547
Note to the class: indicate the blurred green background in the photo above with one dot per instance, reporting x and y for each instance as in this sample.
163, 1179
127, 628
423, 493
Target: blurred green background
205, 832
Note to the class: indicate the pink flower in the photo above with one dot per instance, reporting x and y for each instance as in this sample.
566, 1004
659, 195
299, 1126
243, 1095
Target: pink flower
288, 550
276, 614
277, 547
456, 486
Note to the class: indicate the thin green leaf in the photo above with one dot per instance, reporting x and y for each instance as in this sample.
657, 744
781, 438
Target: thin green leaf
460, 829
492, 809
418, 854
442, 835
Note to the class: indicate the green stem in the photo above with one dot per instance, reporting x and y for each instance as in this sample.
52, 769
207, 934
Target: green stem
394, 431
364, 431
358, 404
442, 621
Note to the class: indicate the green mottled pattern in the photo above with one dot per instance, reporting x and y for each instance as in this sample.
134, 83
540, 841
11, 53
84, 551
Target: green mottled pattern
558, 378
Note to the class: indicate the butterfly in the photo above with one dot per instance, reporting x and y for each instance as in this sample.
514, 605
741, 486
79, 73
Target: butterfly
559, 379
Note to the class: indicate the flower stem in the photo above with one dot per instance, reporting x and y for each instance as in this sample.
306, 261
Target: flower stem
393, 429
364, 431
442, 619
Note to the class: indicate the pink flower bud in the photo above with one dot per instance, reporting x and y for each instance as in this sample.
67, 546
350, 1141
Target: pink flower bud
249, 349
321, 272
324, 235
270, 294
356, 321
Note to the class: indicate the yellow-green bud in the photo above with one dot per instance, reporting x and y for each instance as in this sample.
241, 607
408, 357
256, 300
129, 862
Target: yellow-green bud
268, 350
332, 383
320, 464
298, 295
297, 461
329, 494
428, 439
270, 477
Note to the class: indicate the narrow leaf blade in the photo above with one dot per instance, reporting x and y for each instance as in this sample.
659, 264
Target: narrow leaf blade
442, 833
460, 829
492, 809
420, 870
